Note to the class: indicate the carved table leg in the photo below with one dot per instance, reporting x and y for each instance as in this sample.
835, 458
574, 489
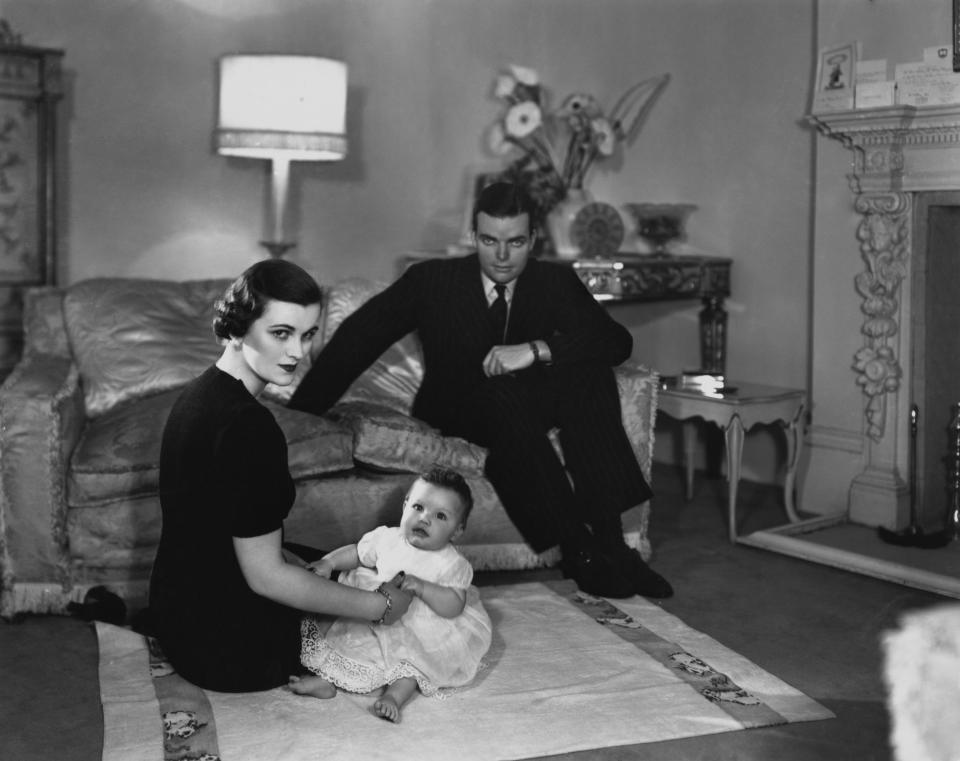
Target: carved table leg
733, 436
689, 454
794, 443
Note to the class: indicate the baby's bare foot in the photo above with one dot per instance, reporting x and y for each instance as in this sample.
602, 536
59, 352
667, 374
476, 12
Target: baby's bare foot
387, 708
311, 685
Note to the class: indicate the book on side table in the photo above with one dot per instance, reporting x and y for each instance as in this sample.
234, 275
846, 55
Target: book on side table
697, 380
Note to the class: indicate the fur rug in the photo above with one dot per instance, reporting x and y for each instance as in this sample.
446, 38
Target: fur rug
922, 674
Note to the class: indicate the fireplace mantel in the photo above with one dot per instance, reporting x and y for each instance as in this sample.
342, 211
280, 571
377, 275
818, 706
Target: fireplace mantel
899, 148
898, 152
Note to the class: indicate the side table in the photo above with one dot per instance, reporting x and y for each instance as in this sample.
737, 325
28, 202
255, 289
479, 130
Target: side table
736, 410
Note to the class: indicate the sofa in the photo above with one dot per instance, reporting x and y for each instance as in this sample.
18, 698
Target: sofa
82, 413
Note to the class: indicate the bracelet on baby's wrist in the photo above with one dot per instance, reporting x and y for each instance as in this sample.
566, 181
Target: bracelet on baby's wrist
389, 605
536, 351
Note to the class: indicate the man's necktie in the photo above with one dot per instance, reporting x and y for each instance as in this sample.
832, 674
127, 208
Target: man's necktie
498, 312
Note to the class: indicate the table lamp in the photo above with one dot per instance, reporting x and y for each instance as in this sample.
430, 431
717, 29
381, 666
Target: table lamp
283, 108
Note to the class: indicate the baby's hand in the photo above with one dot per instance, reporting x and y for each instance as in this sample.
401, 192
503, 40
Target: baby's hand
412, 584
321, 567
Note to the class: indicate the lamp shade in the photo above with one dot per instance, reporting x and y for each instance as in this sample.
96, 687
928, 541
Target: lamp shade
282, 107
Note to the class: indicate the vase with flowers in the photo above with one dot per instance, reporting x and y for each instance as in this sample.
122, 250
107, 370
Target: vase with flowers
555, 148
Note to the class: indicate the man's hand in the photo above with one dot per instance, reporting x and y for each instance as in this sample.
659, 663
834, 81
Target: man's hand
501, 360
399, 599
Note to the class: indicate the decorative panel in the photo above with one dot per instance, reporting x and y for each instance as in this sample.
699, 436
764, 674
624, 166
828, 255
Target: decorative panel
30, 87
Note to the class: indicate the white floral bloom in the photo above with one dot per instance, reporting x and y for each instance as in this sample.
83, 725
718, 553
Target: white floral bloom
504, 86
558, 147
522, 119
525, 75
497, 140
580, 104
604, 135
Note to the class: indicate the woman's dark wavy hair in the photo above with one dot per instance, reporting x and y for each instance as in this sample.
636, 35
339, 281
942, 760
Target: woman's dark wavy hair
446, 478
505, 199
247, 296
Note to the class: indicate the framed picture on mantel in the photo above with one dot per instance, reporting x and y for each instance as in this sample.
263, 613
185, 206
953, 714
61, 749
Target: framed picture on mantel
833, 90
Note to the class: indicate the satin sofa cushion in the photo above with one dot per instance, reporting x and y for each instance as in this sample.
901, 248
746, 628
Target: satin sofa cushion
394, 377
132, 338
43, 321
392, 441
118, 455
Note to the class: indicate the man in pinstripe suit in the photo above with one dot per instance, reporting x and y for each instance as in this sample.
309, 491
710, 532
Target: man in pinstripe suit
513, 347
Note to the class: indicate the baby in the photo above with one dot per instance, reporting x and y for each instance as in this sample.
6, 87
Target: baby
440, 640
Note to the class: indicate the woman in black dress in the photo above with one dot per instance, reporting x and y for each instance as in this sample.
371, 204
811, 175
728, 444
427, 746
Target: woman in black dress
224, 604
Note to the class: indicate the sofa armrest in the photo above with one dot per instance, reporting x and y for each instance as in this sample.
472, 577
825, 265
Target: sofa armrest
638, 387
41, 419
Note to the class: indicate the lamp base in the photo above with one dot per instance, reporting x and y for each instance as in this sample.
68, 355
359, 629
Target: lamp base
277, 248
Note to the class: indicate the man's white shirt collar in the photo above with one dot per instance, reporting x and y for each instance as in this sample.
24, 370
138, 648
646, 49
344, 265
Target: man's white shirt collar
489, 288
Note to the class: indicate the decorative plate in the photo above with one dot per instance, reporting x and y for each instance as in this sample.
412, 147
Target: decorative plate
597, 229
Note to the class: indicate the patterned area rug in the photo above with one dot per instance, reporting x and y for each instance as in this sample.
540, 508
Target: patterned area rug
566, 672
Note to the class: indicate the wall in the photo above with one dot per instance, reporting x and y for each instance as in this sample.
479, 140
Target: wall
145, 195
838, 449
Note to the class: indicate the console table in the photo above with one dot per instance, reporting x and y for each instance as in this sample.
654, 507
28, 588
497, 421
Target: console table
629, 277
635, 278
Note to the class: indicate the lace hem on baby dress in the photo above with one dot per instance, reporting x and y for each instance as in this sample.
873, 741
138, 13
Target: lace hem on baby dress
351, 675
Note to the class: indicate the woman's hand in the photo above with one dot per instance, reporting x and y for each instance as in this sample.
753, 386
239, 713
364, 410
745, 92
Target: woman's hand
399, 600
321, 567
412, 584
269, 575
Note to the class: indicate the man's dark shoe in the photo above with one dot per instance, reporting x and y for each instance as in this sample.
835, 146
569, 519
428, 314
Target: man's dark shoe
597, 574
646, 581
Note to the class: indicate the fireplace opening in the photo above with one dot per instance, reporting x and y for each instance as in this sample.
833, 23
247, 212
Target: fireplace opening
936, 349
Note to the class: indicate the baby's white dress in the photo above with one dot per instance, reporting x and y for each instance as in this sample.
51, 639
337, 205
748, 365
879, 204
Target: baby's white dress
438, 652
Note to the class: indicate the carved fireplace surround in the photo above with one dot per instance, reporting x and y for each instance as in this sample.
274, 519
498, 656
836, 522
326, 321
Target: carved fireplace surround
899, 152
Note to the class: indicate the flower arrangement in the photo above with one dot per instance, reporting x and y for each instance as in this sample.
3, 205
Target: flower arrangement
558, 147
